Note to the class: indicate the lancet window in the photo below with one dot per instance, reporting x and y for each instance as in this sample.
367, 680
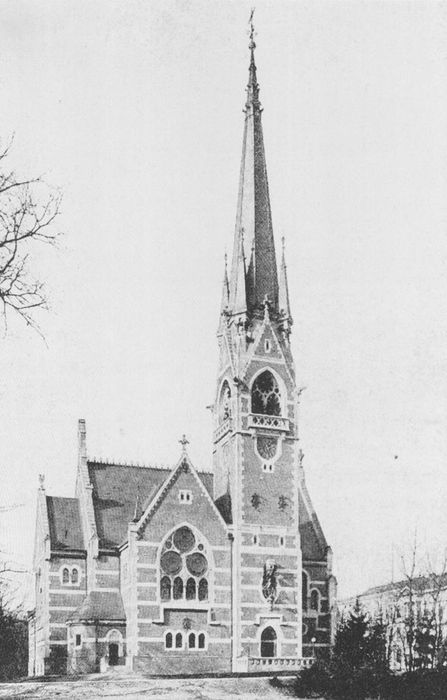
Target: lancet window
265, 395
225, 402
183, 568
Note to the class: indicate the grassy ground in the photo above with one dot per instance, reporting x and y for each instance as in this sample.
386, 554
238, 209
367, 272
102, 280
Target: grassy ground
131, 687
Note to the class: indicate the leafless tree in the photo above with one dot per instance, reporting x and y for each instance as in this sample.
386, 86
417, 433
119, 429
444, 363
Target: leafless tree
28, 209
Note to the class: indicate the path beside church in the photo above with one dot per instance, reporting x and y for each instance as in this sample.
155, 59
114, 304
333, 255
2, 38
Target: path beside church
133, 688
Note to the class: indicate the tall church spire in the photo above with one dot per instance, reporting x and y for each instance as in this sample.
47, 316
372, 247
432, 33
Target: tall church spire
253, 218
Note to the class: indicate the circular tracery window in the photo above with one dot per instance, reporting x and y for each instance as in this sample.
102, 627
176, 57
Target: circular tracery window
196, 564
171, 562
184, 539
183, 567
267, 447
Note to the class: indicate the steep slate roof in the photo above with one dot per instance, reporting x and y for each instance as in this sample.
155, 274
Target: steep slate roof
223, 504
64, 522
100, 605
313, 542
116, 489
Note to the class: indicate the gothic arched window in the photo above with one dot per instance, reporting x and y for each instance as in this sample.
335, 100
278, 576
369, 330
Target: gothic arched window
192, 640
190, 589
225, 402
65, 576
178, 640
315, 600
265, 395
178, 588
74, 576
184, 567
203, 589
201, 640
165, 588
168, 640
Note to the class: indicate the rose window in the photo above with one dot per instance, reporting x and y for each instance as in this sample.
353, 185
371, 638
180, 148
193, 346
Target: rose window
183, 568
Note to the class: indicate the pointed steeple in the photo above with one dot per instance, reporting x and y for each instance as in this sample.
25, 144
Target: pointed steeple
284, 302
253, 208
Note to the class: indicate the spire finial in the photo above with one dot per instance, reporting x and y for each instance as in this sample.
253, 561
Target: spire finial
184, 441
252, 44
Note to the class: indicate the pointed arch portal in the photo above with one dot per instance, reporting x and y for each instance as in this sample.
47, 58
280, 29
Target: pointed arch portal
268, 642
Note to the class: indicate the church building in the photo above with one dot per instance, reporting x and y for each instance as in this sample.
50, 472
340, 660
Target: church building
177, 571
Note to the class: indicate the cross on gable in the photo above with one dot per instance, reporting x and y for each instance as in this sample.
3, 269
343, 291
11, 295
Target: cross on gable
184, 441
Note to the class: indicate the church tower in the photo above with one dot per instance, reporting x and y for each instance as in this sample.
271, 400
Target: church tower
258, 474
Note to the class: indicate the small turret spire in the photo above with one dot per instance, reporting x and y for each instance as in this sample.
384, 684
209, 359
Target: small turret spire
284, 302
238, 288
225, 290
137, 511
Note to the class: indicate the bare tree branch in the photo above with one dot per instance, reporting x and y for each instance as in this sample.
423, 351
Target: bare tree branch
28, 210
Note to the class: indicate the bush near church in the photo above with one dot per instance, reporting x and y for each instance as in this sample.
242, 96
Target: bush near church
358, 669
13, 645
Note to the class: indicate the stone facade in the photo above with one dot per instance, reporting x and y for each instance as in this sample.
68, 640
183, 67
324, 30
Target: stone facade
172, 571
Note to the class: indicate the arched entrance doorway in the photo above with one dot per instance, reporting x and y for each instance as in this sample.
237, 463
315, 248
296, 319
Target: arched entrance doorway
113, 654
268, 642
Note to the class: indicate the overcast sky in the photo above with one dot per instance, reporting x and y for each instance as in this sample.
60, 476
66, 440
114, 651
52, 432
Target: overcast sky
134, 109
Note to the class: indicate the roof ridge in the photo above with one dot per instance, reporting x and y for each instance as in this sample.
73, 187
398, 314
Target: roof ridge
136, 465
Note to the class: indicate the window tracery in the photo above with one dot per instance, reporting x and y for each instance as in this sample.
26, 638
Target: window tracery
184, 568
265, 395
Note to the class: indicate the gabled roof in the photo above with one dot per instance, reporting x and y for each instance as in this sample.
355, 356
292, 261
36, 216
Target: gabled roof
204, 479
116, 489
64, 522
100, 605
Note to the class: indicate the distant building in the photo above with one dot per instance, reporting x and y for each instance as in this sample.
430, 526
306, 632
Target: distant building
414, 611
177, 571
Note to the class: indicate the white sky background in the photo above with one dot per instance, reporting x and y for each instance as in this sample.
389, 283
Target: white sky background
135, 110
